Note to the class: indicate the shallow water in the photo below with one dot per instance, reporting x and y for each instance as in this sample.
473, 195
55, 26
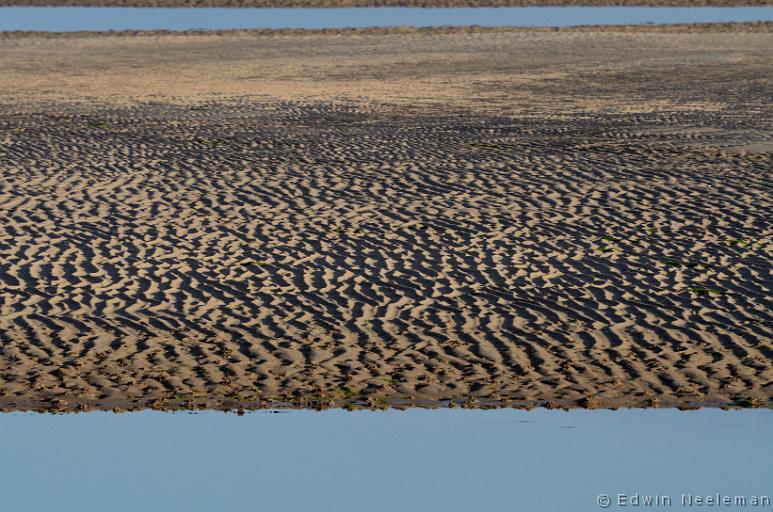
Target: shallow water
449, 460
67, 19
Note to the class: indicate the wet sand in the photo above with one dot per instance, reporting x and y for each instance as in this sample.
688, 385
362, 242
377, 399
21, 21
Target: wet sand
561, 218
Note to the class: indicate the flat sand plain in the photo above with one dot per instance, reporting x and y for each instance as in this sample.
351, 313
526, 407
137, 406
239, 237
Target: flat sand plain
562, 218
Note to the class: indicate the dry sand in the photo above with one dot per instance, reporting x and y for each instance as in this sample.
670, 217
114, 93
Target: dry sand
513, 217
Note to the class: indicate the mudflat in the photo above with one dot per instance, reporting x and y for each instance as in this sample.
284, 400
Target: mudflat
515, 217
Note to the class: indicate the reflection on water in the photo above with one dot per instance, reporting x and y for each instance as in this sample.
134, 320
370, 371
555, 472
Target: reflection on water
444, 460
65, 19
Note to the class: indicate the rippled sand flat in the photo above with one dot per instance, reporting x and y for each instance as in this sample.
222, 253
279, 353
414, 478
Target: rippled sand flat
574, 217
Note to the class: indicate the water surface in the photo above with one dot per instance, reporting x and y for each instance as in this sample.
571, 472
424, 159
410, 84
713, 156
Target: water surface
67, 19
416, 460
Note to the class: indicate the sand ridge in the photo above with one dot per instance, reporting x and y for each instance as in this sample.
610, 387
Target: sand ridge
386, 3
549, 231
754, 26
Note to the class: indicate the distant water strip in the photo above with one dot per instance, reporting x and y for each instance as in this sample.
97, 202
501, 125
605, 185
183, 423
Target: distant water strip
70, 19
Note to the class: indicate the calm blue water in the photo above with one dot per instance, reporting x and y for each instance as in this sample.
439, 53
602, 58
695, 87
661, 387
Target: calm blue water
416, 460
67, 19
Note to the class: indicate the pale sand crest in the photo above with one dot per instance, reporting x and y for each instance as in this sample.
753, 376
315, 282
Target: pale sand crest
524, 217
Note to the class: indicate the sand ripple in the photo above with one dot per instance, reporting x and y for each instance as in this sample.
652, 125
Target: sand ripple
269, 250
